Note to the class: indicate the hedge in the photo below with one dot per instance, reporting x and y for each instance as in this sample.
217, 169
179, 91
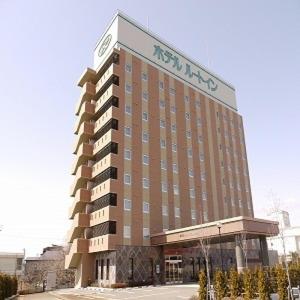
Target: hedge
8, 286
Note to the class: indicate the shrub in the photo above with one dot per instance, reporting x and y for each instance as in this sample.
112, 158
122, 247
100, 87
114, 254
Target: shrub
248, 283
263, 288
8, 286
220, 285
235, 284
282, 283
202, 286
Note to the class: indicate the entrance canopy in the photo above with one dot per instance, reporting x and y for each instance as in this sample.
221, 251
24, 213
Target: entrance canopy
251, 228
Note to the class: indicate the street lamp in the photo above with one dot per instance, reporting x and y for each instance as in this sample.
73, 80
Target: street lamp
219, 225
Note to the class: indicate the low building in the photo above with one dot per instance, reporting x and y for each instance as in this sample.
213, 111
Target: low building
11, 263
48, 268
289, 236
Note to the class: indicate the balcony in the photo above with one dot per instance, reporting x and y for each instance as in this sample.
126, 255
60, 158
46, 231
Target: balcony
86, 113
102, 243
111, 113
87, 93
80, 222
111, 136
84, 153
113, 90
82, 197
83, 175
108, 161
108, 186
85, 133
89, 75
78, 247
107, 78
102, 215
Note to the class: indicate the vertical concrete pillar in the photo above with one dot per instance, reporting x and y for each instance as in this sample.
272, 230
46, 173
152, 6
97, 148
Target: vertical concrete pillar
240, 259
264, 251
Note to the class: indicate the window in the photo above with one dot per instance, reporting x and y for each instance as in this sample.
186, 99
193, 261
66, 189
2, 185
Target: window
204, 196
173, 109
172, 91
101, 268
186, 98
174, 127
175, 189
127, 204
162, 104
145, 159
128, 68
188, 134
145, 137
127, 131
145, 76
199, 123
128, 88
193, 213
145, 96
146, 233
200, 139
175, 168
161, 85
164, 187
145, 183
162, 143
127, 154
203, 176
201, 157
128, 109
187, 116
127, 179
192, 193
177, 212
240, 203
198, 103
145, 116
191, 173
127, 232
107, 269
146, 207
163, 164
190, 153
162, 123
174, 147
165, 210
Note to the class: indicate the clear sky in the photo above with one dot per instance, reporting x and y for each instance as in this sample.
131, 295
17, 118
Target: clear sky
45, 46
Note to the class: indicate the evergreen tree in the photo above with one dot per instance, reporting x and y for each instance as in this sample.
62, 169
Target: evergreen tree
202, 286
234, 284
220, 285
282, 283
263, 288
249, 286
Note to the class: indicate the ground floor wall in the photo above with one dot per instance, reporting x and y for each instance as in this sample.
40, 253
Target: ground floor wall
141, 265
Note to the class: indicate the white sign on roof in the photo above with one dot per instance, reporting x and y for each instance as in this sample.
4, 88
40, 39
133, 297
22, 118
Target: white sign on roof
125, 33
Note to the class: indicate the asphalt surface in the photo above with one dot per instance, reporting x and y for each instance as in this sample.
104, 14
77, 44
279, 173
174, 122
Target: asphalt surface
165, 292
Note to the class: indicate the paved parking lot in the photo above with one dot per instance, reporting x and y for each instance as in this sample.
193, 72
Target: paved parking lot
165, 292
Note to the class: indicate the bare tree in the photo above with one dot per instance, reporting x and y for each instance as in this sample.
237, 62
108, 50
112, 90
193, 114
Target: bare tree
205, 248
244, 246
275, 210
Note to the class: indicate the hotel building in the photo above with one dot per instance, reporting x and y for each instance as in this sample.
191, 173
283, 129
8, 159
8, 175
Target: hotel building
160, 159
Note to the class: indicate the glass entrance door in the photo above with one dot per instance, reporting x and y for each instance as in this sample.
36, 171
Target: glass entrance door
173, 269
